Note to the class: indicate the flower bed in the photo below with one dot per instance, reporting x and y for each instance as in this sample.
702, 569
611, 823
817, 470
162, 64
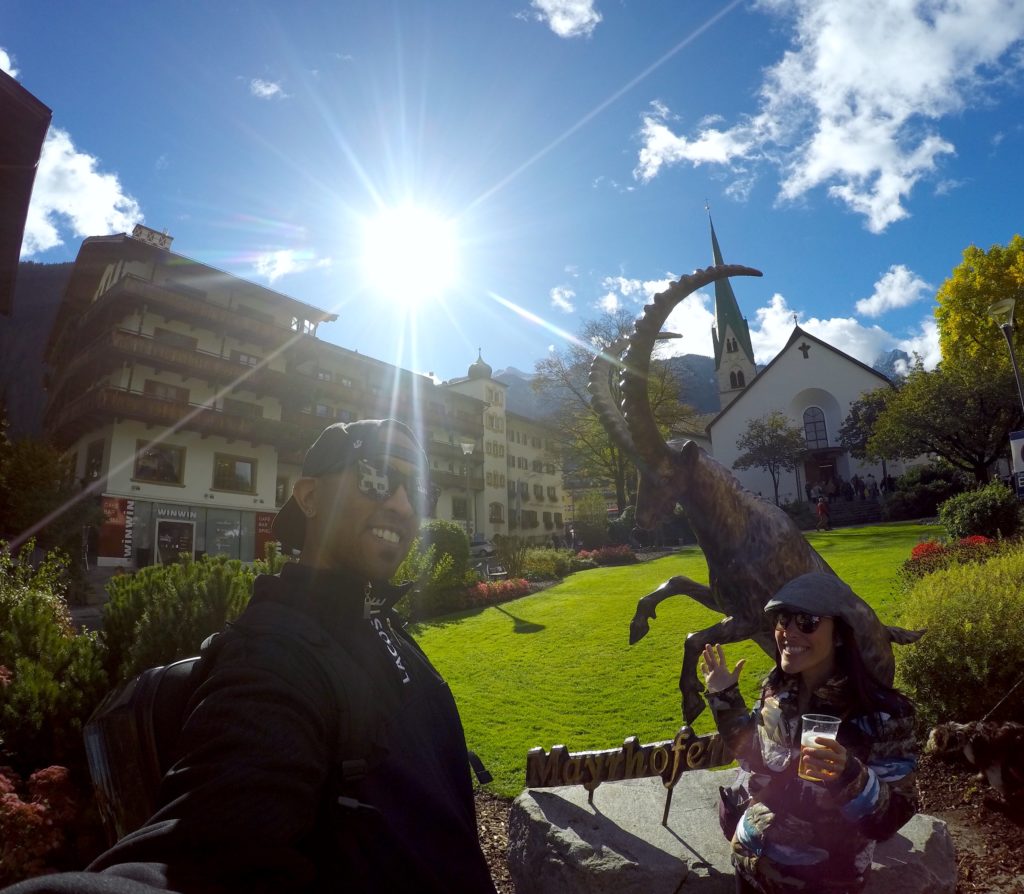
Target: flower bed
609, 555
492, 591
932, 555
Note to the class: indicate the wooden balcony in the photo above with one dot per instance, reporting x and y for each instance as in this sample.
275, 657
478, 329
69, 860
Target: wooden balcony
178, 302
104, 405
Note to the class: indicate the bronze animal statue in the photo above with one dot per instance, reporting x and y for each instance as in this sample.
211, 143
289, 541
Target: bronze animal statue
752, 547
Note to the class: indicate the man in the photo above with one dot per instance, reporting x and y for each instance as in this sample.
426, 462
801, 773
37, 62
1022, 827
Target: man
322, 752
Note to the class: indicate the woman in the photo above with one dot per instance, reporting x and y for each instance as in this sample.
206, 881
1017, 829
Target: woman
801, 835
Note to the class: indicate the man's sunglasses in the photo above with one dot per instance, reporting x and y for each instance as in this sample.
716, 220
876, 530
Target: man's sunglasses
382, 484
805, 622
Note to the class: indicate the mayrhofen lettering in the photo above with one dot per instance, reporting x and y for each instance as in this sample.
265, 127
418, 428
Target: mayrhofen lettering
669, 760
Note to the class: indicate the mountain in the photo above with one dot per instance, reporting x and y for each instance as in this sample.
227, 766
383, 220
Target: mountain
892, 363
696, 374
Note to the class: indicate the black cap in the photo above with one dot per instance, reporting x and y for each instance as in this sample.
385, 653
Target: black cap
339, 446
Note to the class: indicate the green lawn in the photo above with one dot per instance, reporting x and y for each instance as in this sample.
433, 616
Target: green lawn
557, 668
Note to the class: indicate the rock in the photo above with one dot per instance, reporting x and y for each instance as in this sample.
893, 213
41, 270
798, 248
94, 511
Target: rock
560, 843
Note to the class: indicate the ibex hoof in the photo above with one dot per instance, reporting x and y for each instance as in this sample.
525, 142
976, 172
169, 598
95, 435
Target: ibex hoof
639, 627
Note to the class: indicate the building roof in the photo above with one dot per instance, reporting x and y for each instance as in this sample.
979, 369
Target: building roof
797, 335
25, 122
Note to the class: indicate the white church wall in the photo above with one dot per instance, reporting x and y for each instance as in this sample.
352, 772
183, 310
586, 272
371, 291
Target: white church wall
791, 384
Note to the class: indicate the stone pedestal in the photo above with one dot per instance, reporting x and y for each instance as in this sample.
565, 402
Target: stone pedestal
560, 843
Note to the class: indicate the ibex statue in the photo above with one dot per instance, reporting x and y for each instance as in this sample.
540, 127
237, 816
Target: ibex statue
752, 547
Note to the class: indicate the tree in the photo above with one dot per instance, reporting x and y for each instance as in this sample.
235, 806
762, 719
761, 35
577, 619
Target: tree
590, 521
855, 432
951, 412
561, 380
773, 443
967, 335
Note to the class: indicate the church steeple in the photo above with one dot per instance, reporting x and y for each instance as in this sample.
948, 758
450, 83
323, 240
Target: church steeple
734, 354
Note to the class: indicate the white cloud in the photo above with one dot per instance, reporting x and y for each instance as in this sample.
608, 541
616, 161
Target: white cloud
283, 262
7, 63
561, 297
266, 89
69, 191
898, 287
609, 303
925, 343
853, 105
567, 18
691, 319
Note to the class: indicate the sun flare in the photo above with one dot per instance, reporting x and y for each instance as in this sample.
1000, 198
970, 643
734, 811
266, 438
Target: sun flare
409, 253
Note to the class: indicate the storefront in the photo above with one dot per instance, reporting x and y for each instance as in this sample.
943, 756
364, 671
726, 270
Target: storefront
136, 533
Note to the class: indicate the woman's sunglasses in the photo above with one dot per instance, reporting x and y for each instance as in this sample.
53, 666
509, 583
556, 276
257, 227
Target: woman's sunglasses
381, 484
805, 622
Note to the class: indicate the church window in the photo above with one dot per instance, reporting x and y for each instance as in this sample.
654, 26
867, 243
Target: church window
737, 379
815, 432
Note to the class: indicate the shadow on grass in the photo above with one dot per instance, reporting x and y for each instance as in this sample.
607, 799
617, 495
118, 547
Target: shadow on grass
518, 624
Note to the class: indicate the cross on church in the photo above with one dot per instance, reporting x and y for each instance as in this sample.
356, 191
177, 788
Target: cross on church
805, 349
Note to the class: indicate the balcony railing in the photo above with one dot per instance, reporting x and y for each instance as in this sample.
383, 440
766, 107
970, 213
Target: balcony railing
103, 405
183, 303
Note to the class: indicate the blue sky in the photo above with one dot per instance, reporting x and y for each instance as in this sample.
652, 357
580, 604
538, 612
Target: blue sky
851, 151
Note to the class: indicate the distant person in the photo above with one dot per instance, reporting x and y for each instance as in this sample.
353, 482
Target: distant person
824, 515
265, 797
813, 833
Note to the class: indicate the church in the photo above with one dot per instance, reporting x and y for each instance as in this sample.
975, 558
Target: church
809, 380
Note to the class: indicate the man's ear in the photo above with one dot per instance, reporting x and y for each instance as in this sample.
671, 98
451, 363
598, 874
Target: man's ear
304, 492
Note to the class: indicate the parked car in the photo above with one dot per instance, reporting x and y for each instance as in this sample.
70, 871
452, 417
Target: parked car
481, 549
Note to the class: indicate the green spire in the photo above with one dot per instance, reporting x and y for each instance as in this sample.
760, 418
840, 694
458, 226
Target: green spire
727, 311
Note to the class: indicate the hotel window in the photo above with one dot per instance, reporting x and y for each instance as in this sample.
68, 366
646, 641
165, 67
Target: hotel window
246, 359
324, 375
281, 492
163, 391
242, 408
94, 460
551, 494
548, 523
159, 463
497, 513
459, 507
234, 473
538, 492
323, 410
306, 327
522, 463
537, 466
558, 519
177, 339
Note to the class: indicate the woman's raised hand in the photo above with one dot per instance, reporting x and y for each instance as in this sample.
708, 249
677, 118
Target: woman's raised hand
717, 675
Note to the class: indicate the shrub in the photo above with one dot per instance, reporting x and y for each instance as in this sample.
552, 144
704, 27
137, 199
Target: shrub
591, 520
920, 490
973, 650
580, 563
609, 555
545, 564
437, 584
52, 677
511, 553
164, 612
991, 511
802, 514
34, 821
448, 538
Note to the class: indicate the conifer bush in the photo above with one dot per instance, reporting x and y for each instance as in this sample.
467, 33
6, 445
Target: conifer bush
51, 677
164, 612
973, 651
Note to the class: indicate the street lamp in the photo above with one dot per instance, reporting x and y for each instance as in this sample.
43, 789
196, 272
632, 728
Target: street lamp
1002, 313
467, 451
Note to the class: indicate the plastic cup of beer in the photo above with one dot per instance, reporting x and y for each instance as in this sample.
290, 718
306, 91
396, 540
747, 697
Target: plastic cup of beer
812, 727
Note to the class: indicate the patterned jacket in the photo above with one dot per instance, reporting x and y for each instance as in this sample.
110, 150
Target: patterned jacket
797, 835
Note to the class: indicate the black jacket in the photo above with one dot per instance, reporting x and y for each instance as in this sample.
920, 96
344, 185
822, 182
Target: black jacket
253, 802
